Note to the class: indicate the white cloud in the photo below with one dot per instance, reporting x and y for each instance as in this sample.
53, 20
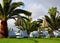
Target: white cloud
11, 23
37, 10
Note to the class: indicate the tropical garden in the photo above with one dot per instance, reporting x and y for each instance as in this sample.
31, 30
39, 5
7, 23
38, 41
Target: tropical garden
48, 27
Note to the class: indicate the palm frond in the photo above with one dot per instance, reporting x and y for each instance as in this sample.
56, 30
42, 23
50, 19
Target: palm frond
15, 5
19, 11
48, 20
1, 10
11, 18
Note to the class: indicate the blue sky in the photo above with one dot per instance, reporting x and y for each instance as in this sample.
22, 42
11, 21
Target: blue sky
39, 8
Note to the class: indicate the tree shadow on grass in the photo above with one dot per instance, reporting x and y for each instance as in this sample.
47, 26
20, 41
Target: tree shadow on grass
35, 41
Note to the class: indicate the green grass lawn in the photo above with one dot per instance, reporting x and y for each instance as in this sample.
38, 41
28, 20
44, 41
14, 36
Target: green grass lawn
30, 40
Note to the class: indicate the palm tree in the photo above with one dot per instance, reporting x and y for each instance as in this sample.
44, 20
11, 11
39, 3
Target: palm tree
53, 20
35, 25
27, 24
8, 10
23, 23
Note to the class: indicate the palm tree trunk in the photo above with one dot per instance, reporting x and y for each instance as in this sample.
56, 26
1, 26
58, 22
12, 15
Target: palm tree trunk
3, 29
51, 34
28, 32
